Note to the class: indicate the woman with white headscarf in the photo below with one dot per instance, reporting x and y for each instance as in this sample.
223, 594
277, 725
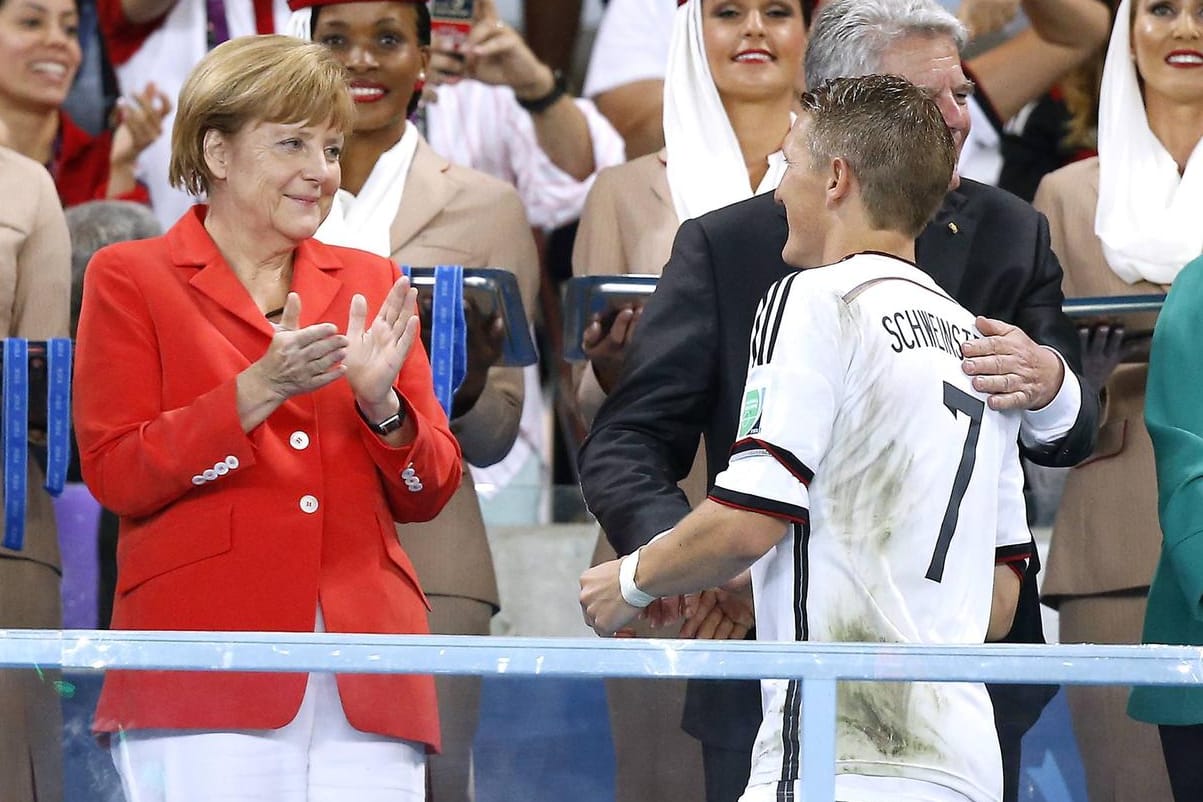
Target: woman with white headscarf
732, 73
1124, 223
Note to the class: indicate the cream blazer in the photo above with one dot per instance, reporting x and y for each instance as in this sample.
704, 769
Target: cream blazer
35, 299
628, 226
1106, 536
454, 215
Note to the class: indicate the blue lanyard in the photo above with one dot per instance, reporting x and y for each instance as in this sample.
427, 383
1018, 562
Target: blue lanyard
16, 439
448, 333
58, 413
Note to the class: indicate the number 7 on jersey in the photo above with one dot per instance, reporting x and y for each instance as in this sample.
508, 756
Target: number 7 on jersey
957, 400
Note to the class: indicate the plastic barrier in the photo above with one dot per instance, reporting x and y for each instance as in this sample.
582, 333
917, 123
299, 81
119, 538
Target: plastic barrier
818, 665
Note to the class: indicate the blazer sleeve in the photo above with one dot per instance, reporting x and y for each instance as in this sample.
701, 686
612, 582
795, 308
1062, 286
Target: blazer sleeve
433, 455
646, 434
487, 431
1040, 314
136, 456
42, 299
597, 251
1175, 421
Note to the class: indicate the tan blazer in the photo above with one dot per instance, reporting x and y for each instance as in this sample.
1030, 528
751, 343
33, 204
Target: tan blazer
35, 296
1106, 536
35, 291
453, 215
628, 226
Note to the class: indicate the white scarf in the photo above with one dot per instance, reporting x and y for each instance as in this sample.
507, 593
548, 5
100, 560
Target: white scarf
705, 167
1148, 217
363, 221
299, 24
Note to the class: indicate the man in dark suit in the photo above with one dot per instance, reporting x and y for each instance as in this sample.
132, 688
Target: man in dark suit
684, 369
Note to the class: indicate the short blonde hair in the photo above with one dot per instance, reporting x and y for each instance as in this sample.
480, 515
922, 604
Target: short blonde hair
895, 140
274, 78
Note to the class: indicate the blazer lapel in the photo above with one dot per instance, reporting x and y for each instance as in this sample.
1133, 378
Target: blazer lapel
942, 249
316, 277
427, 193
191, 248
660, 186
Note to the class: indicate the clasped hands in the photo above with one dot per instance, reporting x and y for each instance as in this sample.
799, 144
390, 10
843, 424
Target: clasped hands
302, 359
724, 613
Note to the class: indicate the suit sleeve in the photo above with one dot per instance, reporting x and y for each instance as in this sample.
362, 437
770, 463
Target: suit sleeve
1175, 421
487, 431
1041, 316
646, 434
433, 456
136, 456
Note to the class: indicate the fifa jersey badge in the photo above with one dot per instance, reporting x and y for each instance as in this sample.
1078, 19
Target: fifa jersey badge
750, 412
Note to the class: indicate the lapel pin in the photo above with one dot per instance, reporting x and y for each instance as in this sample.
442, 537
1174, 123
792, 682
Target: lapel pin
953, 228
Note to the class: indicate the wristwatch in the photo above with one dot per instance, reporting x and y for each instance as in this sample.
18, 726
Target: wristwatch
559, 88
390, 424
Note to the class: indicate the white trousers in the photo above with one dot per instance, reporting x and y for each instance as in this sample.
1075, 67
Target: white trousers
317, 757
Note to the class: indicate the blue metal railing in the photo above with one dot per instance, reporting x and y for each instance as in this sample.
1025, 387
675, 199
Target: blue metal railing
819, 665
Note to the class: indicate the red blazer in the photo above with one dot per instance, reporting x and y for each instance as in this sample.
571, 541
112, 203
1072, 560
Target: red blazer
221, 530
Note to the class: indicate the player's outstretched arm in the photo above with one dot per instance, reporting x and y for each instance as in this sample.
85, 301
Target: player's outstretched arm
711, 545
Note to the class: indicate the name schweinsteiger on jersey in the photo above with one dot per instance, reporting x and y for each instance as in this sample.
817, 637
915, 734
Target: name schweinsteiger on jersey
902, 490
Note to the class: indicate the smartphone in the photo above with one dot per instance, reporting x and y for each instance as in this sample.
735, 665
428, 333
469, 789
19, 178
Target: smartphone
451, 20
603, 297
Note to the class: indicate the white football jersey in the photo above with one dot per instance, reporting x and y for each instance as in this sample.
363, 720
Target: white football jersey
903, 490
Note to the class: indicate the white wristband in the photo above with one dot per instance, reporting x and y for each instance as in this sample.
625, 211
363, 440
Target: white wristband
631, 593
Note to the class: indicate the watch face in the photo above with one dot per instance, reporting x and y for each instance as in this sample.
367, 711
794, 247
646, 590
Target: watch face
389, 425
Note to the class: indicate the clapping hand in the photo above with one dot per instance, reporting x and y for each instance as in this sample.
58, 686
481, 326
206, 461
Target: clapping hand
298, 360
375, 352
301, 360
138, 123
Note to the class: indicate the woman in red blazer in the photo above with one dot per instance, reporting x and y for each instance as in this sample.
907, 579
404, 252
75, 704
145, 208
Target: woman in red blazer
258, 434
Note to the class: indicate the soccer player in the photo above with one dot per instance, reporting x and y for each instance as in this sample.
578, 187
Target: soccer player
872, 490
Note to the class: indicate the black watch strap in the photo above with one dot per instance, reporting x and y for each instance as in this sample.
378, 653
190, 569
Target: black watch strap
558, 89
390, 424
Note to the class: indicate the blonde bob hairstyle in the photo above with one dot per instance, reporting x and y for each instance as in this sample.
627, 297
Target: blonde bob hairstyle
274, 78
